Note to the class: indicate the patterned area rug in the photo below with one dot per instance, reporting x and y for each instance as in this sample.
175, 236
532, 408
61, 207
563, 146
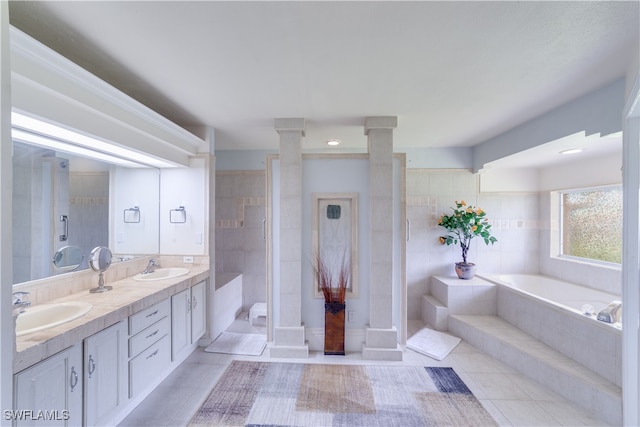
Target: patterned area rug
296, 394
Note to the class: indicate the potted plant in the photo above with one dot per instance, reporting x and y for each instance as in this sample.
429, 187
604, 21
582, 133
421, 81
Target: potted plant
333, 282
463, 225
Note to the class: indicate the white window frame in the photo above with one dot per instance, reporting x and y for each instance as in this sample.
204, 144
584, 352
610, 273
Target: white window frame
557, 231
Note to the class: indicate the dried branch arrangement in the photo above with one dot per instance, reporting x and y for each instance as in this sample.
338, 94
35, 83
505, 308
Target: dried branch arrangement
333, 281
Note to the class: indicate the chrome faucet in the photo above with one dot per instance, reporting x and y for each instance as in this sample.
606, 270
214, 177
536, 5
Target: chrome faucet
20, 302
611, 313
151, 267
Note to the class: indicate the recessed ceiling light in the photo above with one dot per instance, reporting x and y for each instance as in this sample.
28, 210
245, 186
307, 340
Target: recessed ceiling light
572, 151
333, 142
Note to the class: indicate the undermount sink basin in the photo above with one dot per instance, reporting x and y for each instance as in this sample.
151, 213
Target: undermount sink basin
44, 316
162, 273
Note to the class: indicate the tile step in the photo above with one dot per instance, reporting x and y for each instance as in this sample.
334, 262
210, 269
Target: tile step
543, 364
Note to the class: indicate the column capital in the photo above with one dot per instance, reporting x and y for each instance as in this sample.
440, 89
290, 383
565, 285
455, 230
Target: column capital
381, 122
289, 124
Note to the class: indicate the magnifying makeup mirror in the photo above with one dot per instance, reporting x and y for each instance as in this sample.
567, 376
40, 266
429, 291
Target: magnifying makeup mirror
100, 260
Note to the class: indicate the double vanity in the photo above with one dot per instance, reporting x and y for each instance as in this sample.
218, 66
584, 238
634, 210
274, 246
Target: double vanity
90, 347
95, 356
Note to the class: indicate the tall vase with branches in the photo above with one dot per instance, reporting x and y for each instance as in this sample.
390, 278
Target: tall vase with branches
333, 281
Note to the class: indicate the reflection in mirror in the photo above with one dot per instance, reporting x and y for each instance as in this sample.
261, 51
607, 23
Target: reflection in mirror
135, 211
58, 200
61, 199
67, 258
100, 260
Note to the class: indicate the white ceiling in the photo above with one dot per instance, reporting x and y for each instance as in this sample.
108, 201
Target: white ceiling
455, 73
551, 153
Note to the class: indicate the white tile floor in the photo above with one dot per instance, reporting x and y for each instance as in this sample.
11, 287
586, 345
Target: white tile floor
510, 397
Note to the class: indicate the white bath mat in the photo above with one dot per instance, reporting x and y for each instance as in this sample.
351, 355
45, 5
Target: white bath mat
234, 343
432, 343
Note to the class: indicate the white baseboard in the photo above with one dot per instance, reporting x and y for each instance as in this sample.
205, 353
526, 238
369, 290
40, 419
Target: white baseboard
353, 339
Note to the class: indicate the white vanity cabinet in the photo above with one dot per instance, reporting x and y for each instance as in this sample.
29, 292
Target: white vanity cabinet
188, 320
106, 374
50, 392
99, 380
149, 346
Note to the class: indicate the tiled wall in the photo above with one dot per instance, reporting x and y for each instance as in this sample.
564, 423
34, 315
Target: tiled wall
240, 243
518, 221
431, 193
44, 290
566, 332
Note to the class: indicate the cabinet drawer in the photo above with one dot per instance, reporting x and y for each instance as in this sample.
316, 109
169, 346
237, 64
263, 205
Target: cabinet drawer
148, 336
148, 365
148, 316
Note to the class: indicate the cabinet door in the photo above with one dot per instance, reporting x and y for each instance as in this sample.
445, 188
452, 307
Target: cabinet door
52, 390
148, 366
180, 323
106, 374
198, 311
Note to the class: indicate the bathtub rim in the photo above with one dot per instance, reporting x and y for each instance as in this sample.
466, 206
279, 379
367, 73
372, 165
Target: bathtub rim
612, 327
222, 279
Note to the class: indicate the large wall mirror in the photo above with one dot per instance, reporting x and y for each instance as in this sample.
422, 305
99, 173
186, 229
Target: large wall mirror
66, 204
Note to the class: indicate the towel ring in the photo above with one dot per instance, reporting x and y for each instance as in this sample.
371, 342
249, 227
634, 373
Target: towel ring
178, 216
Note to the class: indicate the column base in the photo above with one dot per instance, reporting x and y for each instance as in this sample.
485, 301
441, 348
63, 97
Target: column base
289, 351
289, 342
378, 353
381, 344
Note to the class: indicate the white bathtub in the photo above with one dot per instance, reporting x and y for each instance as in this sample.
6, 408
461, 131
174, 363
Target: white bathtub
227, 302
550, 310
554, 291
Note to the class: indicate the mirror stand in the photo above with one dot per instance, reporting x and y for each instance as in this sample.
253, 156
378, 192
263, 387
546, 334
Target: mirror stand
101, 287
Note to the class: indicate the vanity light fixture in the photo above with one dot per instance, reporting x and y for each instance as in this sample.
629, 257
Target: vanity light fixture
77, 143
42, 141
333, 142
572, 151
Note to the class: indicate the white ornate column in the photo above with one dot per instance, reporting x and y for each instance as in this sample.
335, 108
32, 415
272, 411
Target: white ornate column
289, 337
381, 337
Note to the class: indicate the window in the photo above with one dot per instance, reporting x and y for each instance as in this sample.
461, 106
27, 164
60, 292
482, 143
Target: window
591, 224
